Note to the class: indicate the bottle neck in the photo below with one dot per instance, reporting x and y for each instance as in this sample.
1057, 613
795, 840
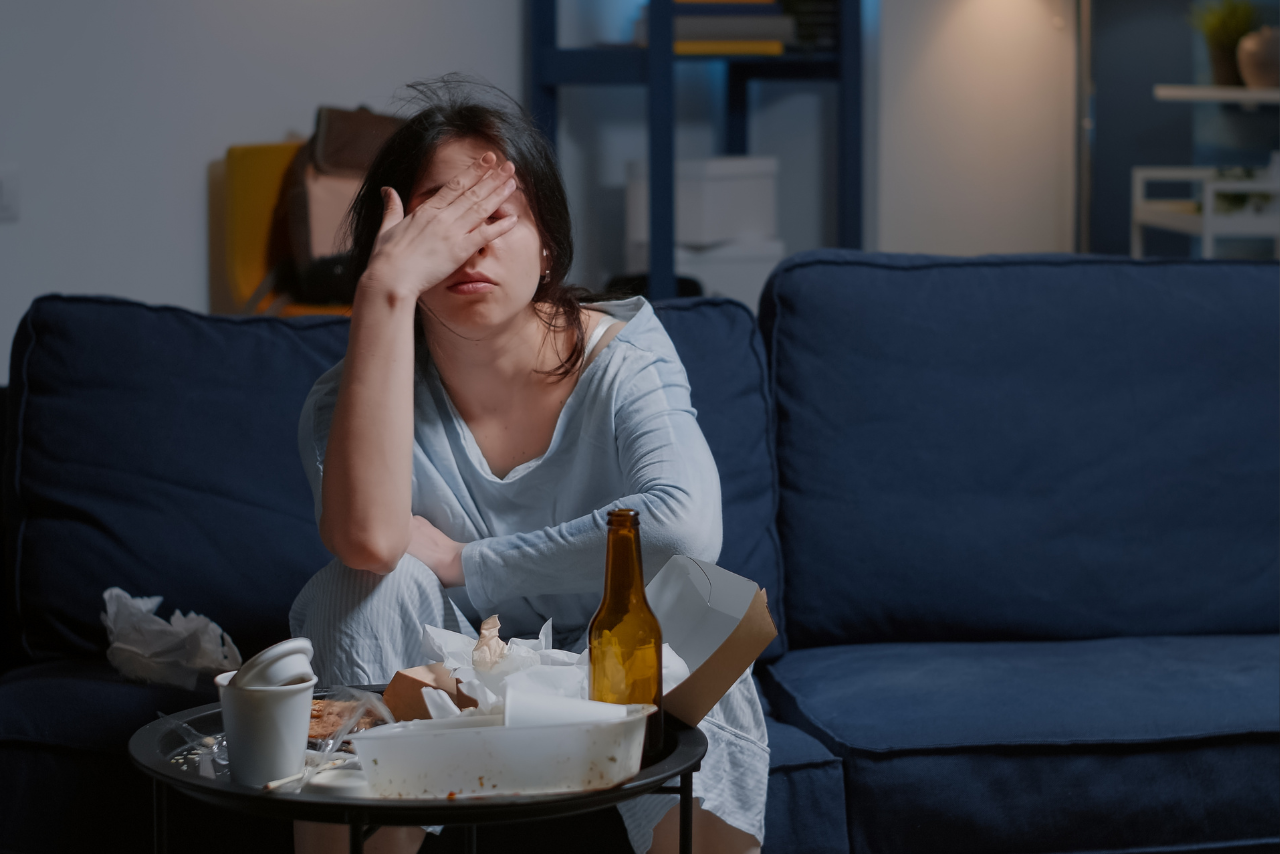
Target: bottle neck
624, 578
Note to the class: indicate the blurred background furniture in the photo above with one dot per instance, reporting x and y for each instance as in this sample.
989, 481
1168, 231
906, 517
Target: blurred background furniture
1218, 206
838, 57
726, 224
286, 207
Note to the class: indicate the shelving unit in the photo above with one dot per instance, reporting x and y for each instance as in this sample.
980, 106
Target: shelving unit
1217, 94
654, 66
1200, 218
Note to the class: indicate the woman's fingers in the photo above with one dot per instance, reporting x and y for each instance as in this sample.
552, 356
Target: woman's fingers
491, 231
481, 209
392, 209
460, 183
493, 182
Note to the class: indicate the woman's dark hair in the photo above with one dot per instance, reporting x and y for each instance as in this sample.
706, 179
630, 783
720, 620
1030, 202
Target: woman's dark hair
456, 107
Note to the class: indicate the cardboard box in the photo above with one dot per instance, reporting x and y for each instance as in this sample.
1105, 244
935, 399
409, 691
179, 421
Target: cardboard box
404, 693
718, 199
716, 621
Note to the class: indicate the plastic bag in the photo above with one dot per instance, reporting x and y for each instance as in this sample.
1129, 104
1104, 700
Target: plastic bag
207, 752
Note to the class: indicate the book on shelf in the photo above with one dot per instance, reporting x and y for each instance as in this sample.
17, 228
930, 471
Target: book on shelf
727, 47
725, 28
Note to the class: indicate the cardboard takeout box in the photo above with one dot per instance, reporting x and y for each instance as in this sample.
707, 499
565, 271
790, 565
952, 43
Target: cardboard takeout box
403, 695
718, 622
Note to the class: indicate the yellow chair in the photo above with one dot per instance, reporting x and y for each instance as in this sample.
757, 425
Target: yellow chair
254, 176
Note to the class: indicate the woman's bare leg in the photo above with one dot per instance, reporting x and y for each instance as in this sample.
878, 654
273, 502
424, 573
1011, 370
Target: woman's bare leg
711, 834
313, 837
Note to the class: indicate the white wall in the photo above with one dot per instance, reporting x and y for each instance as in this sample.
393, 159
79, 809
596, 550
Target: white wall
973, 117
112, 112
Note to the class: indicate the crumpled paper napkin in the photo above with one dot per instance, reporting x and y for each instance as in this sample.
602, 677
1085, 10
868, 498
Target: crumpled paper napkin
146, 648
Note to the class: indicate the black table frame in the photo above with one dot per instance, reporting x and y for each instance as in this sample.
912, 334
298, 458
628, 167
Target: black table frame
153, 746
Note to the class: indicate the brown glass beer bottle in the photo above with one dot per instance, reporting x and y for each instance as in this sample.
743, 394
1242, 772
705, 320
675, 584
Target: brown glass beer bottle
625, 638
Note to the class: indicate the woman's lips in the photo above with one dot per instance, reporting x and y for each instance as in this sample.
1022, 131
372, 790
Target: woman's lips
475, 287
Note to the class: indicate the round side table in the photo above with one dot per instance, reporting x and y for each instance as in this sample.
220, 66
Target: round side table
153, 748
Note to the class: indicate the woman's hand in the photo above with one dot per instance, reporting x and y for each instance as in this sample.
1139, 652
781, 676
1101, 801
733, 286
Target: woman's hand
441, 555
416, 252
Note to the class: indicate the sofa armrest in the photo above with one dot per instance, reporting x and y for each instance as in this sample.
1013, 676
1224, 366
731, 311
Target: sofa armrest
10, 655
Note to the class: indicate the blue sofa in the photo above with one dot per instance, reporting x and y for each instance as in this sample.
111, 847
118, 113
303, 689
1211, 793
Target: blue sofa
1017, 519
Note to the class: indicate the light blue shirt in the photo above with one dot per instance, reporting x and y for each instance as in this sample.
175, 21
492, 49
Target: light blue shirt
535, 540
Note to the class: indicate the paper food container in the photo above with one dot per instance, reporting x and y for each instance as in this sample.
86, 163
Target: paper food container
467, 757
716, 621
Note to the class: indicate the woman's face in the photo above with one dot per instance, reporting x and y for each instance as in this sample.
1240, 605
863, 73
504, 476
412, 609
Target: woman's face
497, 283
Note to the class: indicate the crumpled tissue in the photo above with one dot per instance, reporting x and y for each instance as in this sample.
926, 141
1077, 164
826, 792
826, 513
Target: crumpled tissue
488, 669
146, 648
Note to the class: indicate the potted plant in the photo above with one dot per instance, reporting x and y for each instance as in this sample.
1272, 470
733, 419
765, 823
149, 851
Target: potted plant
1223, 23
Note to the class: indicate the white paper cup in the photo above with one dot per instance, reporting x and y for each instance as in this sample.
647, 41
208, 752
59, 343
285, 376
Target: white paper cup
266, 729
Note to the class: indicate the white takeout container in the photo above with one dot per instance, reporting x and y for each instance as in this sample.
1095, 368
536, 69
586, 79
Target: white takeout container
465, 757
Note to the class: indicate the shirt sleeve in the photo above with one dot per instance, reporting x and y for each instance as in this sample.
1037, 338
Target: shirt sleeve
313, 429
671, 480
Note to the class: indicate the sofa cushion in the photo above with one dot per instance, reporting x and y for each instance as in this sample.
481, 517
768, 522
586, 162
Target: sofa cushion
85, 705
1034, 447
1050, 746
804, 810
156, 450
722, 352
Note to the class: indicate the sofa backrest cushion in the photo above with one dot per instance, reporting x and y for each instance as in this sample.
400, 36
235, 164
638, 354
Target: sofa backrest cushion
1034, 447
722, 352
156, 450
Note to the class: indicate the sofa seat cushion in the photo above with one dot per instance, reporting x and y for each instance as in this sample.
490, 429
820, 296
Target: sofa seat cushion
805, 807
1052, 746
84, 705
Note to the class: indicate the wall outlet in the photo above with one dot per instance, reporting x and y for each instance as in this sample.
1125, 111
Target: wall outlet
8, 194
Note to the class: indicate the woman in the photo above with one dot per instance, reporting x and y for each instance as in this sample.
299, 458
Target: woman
483, 424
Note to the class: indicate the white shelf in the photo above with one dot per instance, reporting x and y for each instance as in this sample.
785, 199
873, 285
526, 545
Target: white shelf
1182, 216
1217, 94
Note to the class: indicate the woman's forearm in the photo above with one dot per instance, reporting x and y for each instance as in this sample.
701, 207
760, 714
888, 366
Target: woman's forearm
365, 492
570, 557
366, 489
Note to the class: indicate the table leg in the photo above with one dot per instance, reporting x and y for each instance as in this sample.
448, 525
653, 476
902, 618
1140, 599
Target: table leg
159, 817
686, 813
469, 835
356, 838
